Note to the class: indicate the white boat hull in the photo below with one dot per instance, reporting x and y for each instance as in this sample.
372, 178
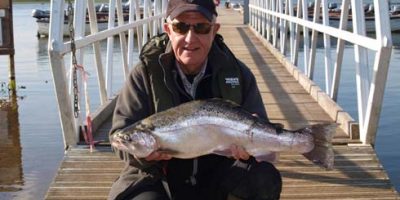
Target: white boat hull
43, 28
369, 23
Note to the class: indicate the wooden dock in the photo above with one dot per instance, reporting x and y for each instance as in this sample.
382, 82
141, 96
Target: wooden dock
358, 173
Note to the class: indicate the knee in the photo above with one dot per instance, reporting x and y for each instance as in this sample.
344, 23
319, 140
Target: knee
261, 181
266, 173
266, 181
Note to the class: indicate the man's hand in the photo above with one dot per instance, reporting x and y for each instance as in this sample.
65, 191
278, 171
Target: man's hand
239, 153
157, 156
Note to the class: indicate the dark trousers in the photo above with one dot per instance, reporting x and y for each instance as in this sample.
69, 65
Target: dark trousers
247, 181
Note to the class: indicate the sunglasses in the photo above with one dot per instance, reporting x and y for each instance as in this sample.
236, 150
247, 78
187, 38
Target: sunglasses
183, 28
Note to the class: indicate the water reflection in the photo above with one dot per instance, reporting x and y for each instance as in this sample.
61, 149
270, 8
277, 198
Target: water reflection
11, 173
396, 40
42, 48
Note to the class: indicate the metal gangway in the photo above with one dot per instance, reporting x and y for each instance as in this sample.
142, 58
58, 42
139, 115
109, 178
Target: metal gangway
279, 44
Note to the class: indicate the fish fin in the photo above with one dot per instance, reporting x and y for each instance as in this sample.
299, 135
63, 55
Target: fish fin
223, 152
322, 153
271, 157
169, 151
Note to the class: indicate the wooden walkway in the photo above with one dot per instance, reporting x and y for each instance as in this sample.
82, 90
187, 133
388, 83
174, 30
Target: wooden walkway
357, 174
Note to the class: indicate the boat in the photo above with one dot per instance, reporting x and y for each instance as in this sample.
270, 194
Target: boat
334, 18
43, 24
236, 5
369, 23
335, 12
43, 20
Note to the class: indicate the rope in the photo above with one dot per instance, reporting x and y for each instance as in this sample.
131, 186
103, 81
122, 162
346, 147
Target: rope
87, 132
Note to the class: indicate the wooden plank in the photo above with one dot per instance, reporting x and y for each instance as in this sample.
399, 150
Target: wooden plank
358, 174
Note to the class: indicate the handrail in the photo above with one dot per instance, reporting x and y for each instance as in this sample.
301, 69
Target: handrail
144, 22
90, 39
276, 20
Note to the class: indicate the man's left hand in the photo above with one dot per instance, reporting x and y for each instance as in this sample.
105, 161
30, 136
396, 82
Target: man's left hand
239, 153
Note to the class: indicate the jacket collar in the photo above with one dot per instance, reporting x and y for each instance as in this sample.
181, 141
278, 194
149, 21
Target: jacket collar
167, 59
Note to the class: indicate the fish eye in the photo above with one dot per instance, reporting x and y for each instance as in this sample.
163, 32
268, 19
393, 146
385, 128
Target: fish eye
127, 138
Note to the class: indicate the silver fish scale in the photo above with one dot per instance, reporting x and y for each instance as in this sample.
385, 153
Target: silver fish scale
199, 109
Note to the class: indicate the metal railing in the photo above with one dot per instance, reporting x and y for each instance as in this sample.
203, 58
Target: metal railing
285, 24
133, 28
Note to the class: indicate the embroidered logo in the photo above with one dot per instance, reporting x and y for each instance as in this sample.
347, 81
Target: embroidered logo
233, 81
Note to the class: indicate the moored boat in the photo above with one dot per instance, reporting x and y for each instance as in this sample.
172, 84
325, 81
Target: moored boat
43, 20
43, 25
334, 17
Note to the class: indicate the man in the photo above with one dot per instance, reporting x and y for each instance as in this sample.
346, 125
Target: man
188, 62
227, 4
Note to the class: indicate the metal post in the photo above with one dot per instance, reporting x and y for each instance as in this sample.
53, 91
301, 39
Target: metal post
7, 40
11, 75
59, 73
12, 83
2, 14
246, 12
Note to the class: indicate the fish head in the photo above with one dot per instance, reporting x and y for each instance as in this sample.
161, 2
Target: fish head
139, 143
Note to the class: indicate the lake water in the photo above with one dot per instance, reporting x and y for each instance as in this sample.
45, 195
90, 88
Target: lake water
31, 150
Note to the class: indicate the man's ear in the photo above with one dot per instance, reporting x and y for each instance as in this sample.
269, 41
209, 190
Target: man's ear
216, 27
167, 29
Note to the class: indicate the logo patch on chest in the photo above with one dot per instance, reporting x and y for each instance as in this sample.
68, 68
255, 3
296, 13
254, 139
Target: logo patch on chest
232, 81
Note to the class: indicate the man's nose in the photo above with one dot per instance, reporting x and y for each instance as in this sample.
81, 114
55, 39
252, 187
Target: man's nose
190, 35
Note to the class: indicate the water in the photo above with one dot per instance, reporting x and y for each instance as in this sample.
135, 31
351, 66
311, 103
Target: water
32, 148
39, 132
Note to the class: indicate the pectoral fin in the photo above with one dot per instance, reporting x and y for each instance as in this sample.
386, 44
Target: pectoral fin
171, 152
271, 157
223, 152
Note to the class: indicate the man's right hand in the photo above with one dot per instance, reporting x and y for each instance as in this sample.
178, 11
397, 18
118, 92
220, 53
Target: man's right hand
157, 156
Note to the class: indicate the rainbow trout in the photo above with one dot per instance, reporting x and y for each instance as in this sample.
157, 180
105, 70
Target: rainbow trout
211, 126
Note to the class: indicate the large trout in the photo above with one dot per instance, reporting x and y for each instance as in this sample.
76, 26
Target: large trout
211, 126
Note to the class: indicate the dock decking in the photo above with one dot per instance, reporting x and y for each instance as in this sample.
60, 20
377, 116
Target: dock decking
357, 174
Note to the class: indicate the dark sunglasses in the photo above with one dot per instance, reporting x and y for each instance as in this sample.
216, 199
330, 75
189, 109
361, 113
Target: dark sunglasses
183, 28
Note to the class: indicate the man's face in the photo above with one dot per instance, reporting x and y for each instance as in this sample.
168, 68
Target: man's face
191, 48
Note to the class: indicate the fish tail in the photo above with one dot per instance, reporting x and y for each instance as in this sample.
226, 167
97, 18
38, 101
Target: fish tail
322, 153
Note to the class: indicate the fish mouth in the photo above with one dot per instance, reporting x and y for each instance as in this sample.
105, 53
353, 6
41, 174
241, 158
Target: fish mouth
120, 141
138, 144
